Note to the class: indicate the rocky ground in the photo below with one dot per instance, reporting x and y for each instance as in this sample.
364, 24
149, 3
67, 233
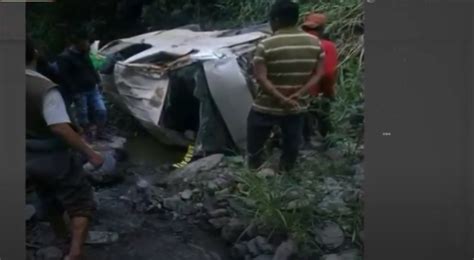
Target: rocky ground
214, 209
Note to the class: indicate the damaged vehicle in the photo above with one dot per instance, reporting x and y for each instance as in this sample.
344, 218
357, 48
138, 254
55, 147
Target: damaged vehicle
186, 86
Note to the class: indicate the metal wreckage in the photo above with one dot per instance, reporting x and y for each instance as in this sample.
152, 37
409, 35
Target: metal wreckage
187, 87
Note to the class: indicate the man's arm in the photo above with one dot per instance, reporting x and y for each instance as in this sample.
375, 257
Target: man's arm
260, 73
66, 132
55, 115
313, 81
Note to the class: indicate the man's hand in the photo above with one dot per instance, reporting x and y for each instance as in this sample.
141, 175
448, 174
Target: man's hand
295, 96
290, 103
66, 132
96, 159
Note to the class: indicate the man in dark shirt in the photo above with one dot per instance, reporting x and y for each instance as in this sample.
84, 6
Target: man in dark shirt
81, 80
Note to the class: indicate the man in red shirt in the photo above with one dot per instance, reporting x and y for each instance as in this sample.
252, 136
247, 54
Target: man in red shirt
315, 24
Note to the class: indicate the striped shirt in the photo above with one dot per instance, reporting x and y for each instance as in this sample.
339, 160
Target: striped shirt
291, 57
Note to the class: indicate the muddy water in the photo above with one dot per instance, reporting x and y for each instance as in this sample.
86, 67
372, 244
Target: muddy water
145, 150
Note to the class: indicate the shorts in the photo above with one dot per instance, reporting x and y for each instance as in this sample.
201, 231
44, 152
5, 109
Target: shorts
60, 183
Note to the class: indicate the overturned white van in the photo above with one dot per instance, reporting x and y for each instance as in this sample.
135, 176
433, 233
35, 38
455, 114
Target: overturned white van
186, 87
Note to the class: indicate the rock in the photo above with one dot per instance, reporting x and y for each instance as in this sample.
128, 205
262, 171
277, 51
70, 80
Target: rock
212, 186
30, 212
335, 192
218, 213
253, 248
331, 257
236, 159
297, 204
191, 170
223, 193
173, 203
335, 154
222, 204
264, 257
330, 235
239, 251
285, 250
49, 253
264, 245
233, 230
359, 174
346, 255
118, 142
223, 182
352, 254
187, 194
265, 173
219, 223
145, 198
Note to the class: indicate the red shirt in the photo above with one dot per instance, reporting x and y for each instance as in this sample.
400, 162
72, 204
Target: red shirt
327, 85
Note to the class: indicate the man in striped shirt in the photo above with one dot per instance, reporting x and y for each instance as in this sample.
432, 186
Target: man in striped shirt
286, 65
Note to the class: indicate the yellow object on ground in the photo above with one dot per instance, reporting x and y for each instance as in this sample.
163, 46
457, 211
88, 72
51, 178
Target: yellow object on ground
187, 158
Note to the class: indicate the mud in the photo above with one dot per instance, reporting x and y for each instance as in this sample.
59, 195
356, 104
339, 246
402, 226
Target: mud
141, 236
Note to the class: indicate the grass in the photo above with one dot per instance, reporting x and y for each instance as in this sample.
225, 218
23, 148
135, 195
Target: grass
288, 204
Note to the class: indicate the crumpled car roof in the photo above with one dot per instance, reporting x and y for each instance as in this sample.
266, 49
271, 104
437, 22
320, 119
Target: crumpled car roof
183, 41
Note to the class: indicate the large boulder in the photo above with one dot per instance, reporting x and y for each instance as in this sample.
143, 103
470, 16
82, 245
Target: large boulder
330, 235
190, 172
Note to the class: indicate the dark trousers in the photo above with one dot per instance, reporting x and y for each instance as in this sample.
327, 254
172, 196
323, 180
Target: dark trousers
319, 118
259, 129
